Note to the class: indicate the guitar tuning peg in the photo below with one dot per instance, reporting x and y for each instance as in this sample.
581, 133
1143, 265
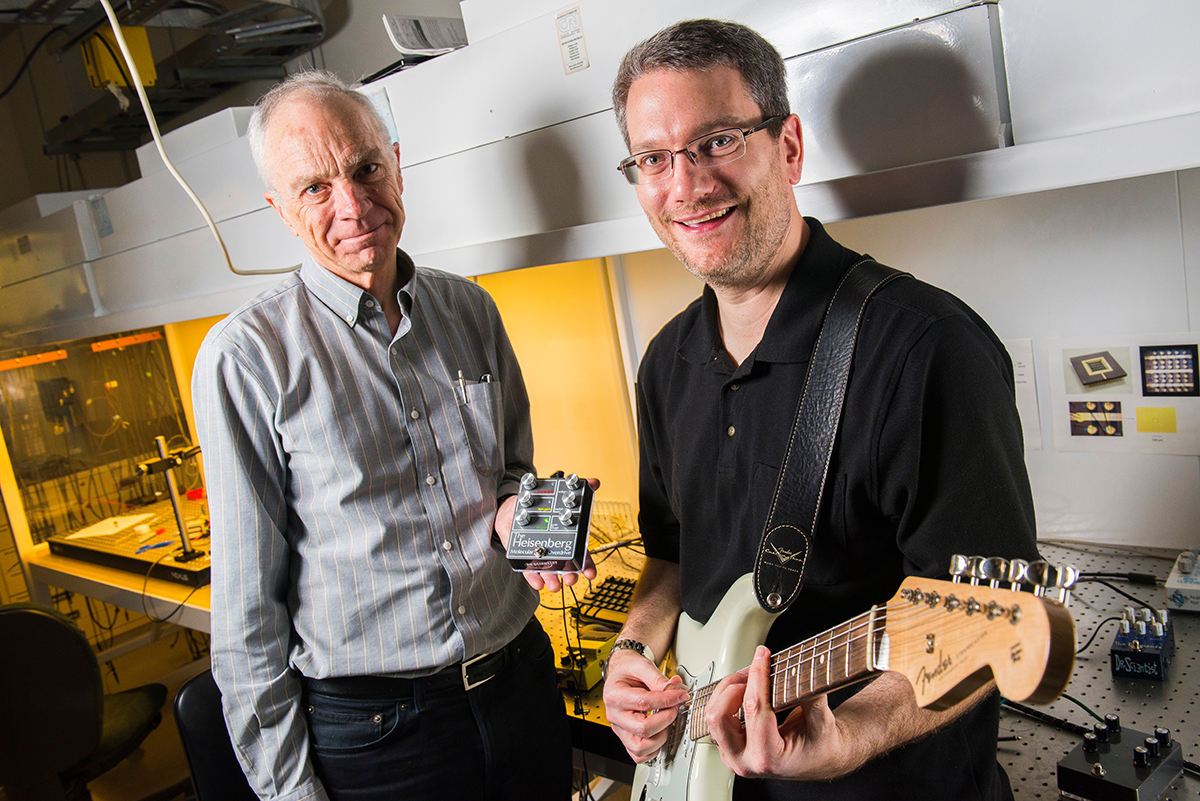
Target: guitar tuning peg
993, 570
976, 570
1018, 570
960, 568
1064, 581
1040, 573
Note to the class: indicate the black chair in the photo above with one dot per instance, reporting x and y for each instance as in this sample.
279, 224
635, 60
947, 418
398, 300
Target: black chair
58, 730
216, 773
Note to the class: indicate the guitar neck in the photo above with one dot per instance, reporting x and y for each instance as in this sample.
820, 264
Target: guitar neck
843, 655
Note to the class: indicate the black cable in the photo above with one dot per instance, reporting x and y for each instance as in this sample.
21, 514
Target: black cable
1133, 578
146, 583
1117, 591
116, 61
1099, 626
25, 64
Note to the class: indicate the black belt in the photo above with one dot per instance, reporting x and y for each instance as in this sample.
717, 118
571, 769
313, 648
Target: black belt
465, 675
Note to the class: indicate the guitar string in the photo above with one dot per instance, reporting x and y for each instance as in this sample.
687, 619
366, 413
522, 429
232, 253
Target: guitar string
845, 635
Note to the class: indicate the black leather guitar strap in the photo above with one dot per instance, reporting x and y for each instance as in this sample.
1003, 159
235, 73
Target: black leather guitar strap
787, 535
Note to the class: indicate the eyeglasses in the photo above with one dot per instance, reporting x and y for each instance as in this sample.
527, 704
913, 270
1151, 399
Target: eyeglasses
718, 147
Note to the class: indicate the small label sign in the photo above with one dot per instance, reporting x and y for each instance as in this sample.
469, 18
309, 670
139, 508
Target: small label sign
570, 40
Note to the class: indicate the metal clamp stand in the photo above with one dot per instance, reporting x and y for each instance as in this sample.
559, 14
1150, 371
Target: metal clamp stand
166, 463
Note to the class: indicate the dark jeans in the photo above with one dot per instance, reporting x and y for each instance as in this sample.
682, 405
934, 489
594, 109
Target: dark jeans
505, 739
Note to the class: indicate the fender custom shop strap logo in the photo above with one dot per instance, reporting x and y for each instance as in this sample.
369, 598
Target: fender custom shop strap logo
779, 573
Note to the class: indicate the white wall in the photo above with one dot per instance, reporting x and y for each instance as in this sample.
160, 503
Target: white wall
1121, 257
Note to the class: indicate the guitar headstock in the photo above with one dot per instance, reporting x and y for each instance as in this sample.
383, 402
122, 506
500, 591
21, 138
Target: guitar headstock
996, 619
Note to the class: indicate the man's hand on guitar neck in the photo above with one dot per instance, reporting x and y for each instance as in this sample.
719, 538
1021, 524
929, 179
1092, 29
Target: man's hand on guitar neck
640, 703
809, 745
814, 743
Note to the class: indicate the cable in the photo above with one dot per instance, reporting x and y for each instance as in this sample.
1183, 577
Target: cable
25, 64
1099, 626
116, 61
1117, 591
146, 583
153, 123
1083, 706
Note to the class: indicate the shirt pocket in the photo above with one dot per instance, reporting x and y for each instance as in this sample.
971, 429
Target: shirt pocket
483, 422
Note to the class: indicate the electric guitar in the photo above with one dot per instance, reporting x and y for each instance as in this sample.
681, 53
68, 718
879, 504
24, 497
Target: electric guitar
947, 638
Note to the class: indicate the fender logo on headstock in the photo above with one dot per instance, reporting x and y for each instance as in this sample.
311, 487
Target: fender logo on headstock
1015, 651
927, 677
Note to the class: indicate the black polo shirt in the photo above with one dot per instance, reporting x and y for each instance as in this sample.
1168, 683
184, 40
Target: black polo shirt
929, 460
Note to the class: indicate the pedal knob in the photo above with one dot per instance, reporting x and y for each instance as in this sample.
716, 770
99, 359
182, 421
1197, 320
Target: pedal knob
522, 517
1163, 735
1101, 730
529, 481
570, 500
1153, 746
1091, 743
566, 518
1141, 757
1113, 722
525, 498
572, 481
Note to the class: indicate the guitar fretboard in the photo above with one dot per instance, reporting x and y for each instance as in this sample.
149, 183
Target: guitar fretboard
843, 655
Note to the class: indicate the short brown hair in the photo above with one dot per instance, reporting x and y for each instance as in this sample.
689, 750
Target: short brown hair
702, 44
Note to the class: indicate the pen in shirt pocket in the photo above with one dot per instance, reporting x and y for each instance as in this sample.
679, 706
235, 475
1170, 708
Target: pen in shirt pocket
460, 387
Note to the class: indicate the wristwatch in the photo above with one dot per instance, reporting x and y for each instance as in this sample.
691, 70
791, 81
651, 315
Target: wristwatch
630, 645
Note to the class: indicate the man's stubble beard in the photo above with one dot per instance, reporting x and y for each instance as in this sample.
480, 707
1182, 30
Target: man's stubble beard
752, 256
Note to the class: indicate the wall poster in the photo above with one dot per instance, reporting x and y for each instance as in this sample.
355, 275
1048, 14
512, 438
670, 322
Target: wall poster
1131, 394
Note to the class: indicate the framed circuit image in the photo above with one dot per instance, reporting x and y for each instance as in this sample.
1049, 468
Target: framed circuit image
1169, 370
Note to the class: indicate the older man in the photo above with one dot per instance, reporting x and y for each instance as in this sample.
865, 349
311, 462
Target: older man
928, 462
363, 423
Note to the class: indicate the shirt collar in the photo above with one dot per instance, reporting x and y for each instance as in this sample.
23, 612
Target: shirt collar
345, 299
793, 327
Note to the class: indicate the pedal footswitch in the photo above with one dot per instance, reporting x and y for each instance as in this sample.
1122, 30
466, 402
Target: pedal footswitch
550, 524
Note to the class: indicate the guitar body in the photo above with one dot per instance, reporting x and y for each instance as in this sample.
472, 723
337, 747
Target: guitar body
948, 639
704, 654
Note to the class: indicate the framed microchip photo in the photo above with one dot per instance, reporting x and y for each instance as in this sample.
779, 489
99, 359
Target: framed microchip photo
1169, 370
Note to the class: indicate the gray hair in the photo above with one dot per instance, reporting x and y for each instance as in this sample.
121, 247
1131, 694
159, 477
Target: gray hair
313, 84
702, 44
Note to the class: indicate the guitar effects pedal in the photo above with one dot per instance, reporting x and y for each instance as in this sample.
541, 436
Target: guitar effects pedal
550, 524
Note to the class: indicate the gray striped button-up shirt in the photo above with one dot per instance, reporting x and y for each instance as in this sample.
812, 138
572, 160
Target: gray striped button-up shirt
352, 487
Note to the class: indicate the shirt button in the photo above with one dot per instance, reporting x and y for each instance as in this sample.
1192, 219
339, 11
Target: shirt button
414, 414
447, 545
462, 610
731, 431
735, 387
349, 318
430, 480
393, 351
